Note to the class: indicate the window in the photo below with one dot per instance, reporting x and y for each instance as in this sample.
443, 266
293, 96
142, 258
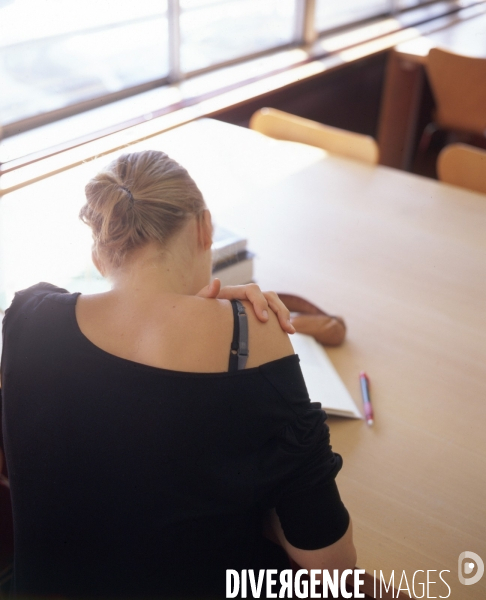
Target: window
215, 31
59, 57
331, 14
56, 53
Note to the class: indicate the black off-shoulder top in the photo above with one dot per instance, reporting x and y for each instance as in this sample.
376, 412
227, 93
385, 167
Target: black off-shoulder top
129, 480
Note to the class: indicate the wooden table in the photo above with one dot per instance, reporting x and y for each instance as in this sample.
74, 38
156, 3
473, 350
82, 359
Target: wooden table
405, 78
402, 258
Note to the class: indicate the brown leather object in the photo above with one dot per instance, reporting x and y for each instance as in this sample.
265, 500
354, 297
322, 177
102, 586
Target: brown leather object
311, 320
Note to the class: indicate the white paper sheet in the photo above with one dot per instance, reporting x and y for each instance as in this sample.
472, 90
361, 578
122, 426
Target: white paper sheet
323, 383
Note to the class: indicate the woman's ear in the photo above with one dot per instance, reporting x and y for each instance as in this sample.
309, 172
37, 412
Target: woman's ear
205, 230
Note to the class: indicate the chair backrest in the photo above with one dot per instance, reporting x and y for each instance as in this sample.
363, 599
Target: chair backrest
459, 87
284, 126
463, 166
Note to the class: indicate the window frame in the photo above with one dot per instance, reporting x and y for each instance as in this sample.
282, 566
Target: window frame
305, 35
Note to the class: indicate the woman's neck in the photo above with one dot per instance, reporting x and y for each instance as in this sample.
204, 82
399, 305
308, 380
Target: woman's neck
151, 271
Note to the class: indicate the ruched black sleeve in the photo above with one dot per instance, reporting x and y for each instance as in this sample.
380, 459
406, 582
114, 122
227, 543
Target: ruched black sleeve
307, 502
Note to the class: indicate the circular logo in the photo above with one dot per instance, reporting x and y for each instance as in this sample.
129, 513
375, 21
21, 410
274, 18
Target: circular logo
466, 568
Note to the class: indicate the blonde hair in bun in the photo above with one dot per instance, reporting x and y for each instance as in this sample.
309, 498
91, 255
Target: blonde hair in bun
138, 198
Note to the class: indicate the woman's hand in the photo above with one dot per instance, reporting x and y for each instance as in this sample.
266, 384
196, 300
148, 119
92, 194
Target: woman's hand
261, 301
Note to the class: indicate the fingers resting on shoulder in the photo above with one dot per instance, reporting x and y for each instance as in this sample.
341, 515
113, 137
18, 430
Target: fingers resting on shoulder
261, 301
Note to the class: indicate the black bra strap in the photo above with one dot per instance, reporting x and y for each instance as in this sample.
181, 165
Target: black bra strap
239, 344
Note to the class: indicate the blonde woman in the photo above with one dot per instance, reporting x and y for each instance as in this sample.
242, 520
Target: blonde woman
150, 431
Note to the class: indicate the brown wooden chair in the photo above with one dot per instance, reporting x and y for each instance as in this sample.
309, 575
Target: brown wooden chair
459, 87
464, 166
284, 126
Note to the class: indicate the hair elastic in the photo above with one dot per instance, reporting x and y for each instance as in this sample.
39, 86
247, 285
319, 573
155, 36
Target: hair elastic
130, 197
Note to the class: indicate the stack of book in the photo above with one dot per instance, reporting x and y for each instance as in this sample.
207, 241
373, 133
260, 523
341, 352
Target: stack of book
232, 261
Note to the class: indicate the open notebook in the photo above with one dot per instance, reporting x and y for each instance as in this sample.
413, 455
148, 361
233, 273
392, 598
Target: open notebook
323, 383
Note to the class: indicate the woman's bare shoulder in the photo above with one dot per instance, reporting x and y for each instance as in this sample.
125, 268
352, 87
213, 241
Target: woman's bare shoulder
267, 341
187, 333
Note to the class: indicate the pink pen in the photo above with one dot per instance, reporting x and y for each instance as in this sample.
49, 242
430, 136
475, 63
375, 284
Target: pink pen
365, 392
